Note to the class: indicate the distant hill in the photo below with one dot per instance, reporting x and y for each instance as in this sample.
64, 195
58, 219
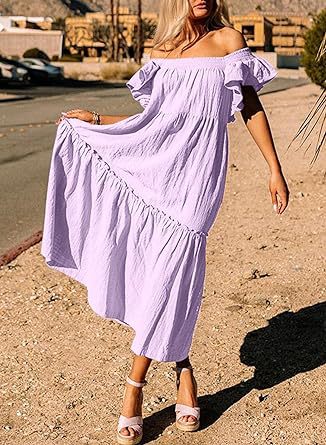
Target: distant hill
53, 8
235, 6
62, 8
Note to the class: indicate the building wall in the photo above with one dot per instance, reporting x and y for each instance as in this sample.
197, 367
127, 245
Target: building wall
16, 43
261, 36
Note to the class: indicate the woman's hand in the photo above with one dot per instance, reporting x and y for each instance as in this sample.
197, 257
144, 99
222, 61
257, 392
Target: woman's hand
279, 191
83, 115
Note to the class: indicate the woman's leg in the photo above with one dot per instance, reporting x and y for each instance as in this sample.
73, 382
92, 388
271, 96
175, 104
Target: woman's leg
131, 404
187, 390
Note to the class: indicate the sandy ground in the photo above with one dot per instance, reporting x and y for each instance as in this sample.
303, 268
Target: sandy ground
259, 345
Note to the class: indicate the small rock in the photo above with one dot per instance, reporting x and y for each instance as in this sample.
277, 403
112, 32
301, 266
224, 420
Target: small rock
54, 297
255, 274
233, 308
262, 397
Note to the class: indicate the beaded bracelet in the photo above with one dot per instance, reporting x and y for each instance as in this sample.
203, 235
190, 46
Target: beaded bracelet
96, 118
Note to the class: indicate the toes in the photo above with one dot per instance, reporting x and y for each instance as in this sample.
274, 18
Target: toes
124, 431
128, 431
131, 431
190, 419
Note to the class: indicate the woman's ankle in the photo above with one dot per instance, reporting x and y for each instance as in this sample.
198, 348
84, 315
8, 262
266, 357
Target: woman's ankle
183, 363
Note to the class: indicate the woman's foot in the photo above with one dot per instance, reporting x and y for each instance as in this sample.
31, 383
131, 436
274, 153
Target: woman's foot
187, 392
132, 406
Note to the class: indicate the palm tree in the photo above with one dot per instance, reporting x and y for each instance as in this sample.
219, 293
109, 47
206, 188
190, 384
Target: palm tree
316, 118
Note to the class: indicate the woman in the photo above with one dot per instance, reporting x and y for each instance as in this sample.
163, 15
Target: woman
131, 199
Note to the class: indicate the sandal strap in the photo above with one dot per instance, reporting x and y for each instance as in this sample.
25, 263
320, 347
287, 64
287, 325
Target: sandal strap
185, 410
178, 370
137, 384
181, 368
135, 422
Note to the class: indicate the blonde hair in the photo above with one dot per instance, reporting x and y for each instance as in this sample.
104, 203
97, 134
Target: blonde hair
173, 27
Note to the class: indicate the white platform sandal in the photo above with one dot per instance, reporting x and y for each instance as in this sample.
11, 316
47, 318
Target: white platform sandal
136, 422
185, 410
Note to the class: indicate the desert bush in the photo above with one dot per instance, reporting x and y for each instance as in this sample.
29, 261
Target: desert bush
36, 53
71, 58
73, 75
114, 72
313, 38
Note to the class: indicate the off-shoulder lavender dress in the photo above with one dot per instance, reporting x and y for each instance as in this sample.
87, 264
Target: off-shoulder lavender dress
129, 205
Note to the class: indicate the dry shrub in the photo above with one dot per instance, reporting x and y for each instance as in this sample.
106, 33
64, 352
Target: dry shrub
73, 75
115, 72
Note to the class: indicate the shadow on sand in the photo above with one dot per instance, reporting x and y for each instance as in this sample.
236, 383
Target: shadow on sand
292, 343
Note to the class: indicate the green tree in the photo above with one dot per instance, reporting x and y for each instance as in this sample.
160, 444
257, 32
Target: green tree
316, 70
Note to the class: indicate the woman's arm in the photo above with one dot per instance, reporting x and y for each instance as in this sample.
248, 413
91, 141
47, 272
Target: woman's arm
110, 119
257, 124
87, 116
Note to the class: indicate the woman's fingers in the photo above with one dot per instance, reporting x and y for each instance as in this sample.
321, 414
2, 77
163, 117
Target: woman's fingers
71, 113
59, 120
83, 115
284, 201
279, 192
279, 200
274, 200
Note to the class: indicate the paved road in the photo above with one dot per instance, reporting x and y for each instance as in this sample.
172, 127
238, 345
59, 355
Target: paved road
68, 86
27, 132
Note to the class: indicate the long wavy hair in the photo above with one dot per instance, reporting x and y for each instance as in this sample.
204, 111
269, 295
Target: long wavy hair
175, 23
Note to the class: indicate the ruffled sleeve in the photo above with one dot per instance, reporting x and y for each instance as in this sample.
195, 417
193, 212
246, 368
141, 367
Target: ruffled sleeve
247, 69
141, 83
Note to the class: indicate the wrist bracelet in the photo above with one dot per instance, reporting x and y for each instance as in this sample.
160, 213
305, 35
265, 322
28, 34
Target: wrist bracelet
96, 118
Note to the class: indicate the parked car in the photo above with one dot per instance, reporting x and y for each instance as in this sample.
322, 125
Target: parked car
42, 65
36, 76
13, 73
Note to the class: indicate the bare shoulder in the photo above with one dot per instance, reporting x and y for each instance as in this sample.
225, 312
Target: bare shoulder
229, 39
157, 52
